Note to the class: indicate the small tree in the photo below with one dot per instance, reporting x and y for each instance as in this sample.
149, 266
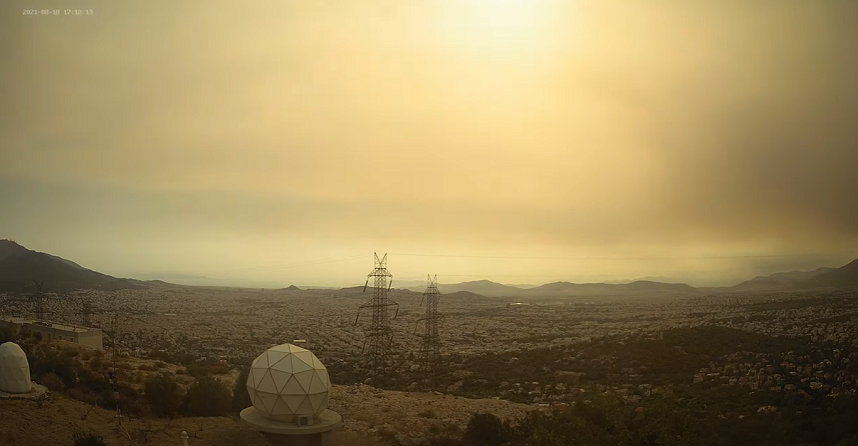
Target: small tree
486, 429
207, 397
163, 395
240, 397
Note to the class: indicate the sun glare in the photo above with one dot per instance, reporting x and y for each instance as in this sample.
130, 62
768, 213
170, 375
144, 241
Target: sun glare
501, 27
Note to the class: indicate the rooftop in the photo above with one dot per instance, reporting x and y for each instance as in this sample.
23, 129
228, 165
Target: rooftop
49, 324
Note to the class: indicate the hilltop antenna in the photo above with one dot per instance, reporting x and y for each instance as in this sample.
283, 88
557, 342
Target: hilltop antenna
430, 350
379, 336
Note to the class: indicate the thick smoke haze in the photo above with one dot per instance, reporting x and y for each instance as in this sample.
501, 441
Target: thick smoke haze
706, 141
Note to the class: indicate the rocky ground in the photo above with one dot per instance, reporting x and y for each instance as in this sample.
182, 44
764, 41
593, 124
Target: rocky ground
411, 417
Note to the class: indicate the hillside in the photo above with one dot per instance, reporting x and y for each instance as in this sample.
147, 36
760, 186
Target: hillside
779, 281
481, 287
558, 289
843, 277
371, 416
20, 267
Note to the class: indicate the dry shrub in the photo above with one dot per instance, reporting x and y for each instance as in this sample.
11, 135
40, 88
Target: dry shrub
370, 418
427, 413
84, 395
96, 363
53, 382
387, 435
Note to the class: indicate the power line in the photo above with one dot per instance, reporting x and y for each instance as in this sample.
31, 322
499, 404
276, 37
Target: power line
612, 257
286, 265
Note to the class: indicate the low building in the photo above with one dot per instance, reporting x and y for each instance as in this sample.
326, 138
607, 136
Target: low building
86, 336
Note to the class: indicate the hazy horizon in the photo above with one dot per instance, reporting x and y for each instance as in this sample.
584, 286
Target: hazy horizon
511, 140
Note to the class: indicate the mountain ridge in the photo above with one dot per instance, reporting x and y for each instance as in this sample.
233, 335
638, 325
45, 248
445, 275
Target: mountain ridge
20, 268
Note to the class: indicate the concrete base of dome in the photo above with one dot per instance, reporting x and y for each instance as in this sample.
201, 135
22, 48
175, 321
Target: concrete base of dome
37, 392
278, 432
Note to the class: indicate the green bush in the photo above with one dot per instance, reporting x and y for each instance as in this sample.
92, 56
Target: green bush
240, 397
487, 429
163, 395
207, 397
50, 361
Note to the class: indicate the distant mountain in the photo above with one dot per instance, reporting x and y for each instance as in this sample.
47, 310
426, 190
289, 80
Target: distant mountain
662, 279
461, 295
648, 285
559, 289
844, 277
20, 267
482, 287
781, 281
292, 288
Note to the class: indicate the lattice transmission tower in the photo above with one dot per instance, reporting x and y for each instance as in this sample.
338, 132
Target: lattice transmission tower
379, 335
430, 349
39, 297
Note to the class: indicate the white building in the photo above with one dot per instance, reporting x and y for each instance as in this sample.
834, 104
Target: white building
89, 337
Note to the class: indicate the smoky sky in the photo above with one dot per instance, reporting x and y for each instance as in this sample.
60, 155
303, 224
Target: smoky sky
715, 141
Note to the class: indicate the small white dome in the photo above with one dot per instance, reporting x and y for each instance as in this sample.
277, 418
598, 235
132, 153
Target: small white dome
286, 381
14, 369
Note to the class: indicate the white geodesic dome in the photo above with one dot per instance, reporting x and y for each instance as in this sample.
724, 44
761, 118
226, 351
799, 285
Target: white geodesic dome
288, 381
14, 369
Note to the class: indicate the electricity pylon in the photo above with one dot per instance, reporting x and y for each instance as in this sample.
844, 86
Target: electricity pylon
379, 336
430, 349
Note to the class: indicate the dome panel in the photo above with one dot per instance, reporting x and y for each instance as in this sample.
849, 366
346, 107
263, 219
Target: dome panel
318, 401
261, 361
295, 349
326, 379
294, 401
275, 357
266, 384
305, 356
280, 407
293, 388
316, 384
280, 348
268, 400
304, 379
317, 364
305, 408
299, 365
254, 376
280, 378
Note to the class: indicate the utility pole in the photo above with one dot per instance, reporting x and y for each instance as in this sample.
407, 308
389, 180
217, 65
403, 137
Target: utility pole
379, 336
